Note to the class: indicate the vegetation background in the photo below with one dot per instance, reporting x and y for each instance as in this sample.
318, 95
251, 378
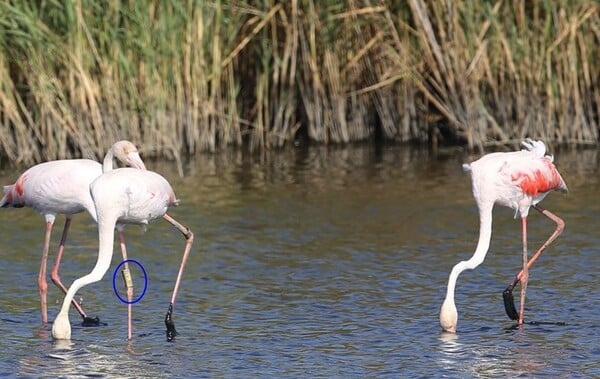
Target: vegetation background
182, 76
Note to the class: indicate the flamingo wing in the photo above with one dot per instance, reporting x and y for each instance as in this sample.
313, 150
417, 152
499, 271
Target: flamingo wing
534, 176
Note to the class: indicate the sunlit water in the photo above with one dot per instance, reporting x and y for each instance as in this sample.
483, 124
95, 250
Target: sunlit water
318, 263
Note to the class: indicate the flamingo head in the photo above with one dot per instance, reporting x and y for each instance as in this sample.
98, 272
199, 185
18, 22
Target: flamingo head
448, 316
127, 153
61, 328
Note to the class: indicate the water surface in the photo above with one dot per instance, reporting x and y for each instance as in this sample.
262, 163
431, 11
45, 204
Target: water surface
318, 263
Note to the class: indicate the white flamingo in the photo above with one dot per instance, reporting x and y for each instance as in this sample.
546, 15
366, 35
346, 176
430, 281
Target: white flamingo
518, 180
125, 196
62, 187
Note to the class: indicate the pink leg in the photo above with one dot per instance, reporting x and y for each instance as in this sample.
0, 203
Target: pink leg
128, 284
42, 283
189, 240
560, 226
55, 276
524, 271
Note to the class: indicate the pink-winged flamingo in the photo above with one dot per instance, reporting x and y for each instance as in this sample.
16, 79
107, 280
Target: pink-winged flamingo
518, 180
62, 187
125, 196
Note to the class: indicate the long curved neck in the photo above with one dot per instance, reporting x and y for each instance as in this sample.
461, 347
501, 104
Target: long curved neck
483, 245
107, 163
106, 234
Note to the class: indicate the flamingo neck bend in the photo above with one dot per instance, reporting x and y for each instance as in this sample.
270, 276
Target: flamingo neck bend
107, 163
448, 312
61, 328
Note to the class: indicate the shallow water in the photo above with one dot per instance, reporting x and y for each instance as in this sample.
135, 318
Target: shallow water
318, 263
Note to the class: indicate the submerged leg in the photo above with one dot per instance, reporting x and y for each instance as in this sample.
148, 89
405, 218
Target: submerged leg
128, 283
189, 240
509, 303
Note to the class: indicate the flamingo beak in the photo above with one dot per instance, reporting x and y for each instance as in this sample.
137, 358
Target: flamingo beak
134, 160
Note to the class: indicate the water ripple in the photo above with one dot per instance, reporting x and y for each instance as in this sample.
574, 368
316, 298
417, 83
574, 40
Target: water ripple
319, 263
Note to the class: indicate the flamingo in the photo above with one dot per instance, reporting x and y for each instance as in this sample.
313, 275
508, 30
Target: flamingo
518, 180
125, 196
62, 187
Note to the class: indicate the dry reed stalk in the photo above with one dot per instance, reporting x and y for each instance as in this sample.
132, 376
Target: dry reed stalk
283, 32
17, 139
183, 77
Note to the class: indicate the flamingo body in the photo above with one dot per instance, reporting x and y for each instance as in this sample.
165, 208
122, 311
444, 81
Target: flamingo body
62, 186
56, 187
133, 196
518, 180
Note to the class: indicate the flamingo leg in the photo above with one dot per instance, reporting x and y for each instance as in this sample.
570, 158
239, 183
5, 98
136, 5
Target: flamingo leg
128, 283
42, 283
54, 275
189, 240
525, 271
509, 305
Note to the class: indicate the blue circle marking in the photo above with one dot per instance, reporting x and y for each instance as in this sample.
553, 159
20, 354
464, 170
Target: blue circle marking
115, 281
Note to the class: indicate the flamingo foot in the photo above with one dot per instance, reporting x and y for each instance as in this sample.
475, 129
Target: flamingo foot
509, 302
92, 321
171, 332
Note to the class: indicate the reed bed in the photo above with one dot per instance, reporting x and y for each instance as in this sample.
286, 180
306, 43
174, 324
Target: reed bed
179, 77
